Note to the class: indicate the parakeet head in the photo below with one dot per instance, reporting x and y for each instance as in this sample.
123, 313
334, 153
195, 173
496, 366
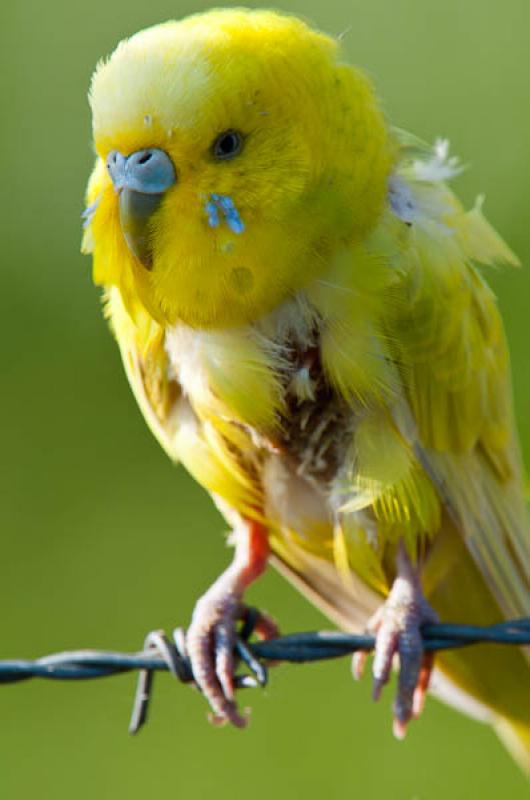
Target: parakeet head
235, 154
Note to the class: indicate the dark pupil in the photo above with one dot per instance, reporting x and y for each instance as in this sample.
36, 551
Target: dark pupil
227, 144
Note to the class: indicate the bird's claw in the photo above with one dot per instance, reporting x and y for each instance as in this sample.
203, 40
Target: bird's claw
397, 629
214, 647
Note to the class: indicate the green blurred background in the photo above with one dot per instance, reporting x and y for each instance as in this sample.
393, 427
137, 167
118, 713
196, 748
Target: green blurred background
102, 539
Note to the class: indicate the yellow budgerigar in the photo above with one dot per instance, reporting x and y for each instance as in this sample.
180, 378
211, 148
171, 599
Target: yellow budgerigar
297, 298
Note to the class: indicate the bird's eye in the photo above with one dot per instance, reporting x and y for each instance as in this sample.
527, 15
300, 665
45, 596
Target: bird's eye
227, 145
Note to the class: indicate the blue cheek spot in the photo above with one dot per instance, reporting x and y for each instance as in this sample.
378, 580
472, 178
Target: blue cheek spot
224, 204
213, 214
235, 224
233, 220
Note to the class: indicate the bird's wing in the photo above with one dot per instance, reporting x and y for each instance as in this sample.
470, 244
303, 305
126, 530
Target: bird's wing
434, 454
448, 341
158, 394
207, 447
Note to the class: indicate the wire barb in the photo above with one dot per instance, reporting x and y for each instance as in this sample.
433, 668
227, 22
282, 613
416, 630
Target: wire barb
160, 653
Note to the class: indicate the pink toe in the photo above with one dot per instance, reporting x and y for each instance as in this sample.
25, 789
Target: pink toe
224, 658
385, 648
359, 663
399, 729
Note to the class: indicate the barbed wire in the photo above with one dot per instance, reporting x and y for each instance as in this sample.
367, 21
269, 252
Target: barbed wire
160, 653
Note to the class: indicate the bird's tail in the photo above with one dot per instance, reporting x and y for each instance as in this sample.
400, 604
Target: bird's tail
515, 736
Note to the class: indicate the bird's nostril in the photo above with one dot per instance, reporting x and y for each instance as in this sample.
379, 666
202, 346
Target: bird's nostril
113, 161
145, 157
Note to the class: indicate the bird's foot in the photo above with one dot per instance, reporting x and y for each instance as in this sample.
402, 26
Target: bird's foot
215, 646
212, 642
176, 658
397, 628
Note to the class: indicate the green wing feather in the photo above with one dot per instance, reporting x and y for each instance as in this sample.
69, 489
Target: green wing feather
448, 340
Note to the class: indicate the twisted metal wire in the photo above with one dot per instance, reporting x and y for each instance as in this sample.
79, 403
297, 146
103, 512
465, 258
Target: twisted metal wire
163, 654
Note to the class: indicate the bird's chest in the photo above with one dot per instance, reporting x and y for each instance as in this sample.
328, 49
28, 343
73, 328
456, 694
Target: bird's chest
314, 426
310, 427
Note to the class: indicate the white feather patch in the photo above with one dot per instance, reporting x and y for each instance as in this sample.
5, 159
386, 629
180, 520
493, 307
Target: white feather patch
439, 167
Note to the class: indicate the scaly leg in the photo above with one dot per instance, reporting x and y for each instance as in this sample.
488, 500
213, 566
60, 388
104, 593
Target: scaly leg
211, 636
397, 627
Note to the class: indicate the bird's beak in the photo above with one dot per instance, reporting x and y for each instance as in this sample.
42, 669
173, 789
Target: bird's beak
141, 180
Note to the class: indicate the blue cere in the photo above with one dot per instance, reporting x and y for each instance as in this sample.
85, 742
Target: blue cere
224, 204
